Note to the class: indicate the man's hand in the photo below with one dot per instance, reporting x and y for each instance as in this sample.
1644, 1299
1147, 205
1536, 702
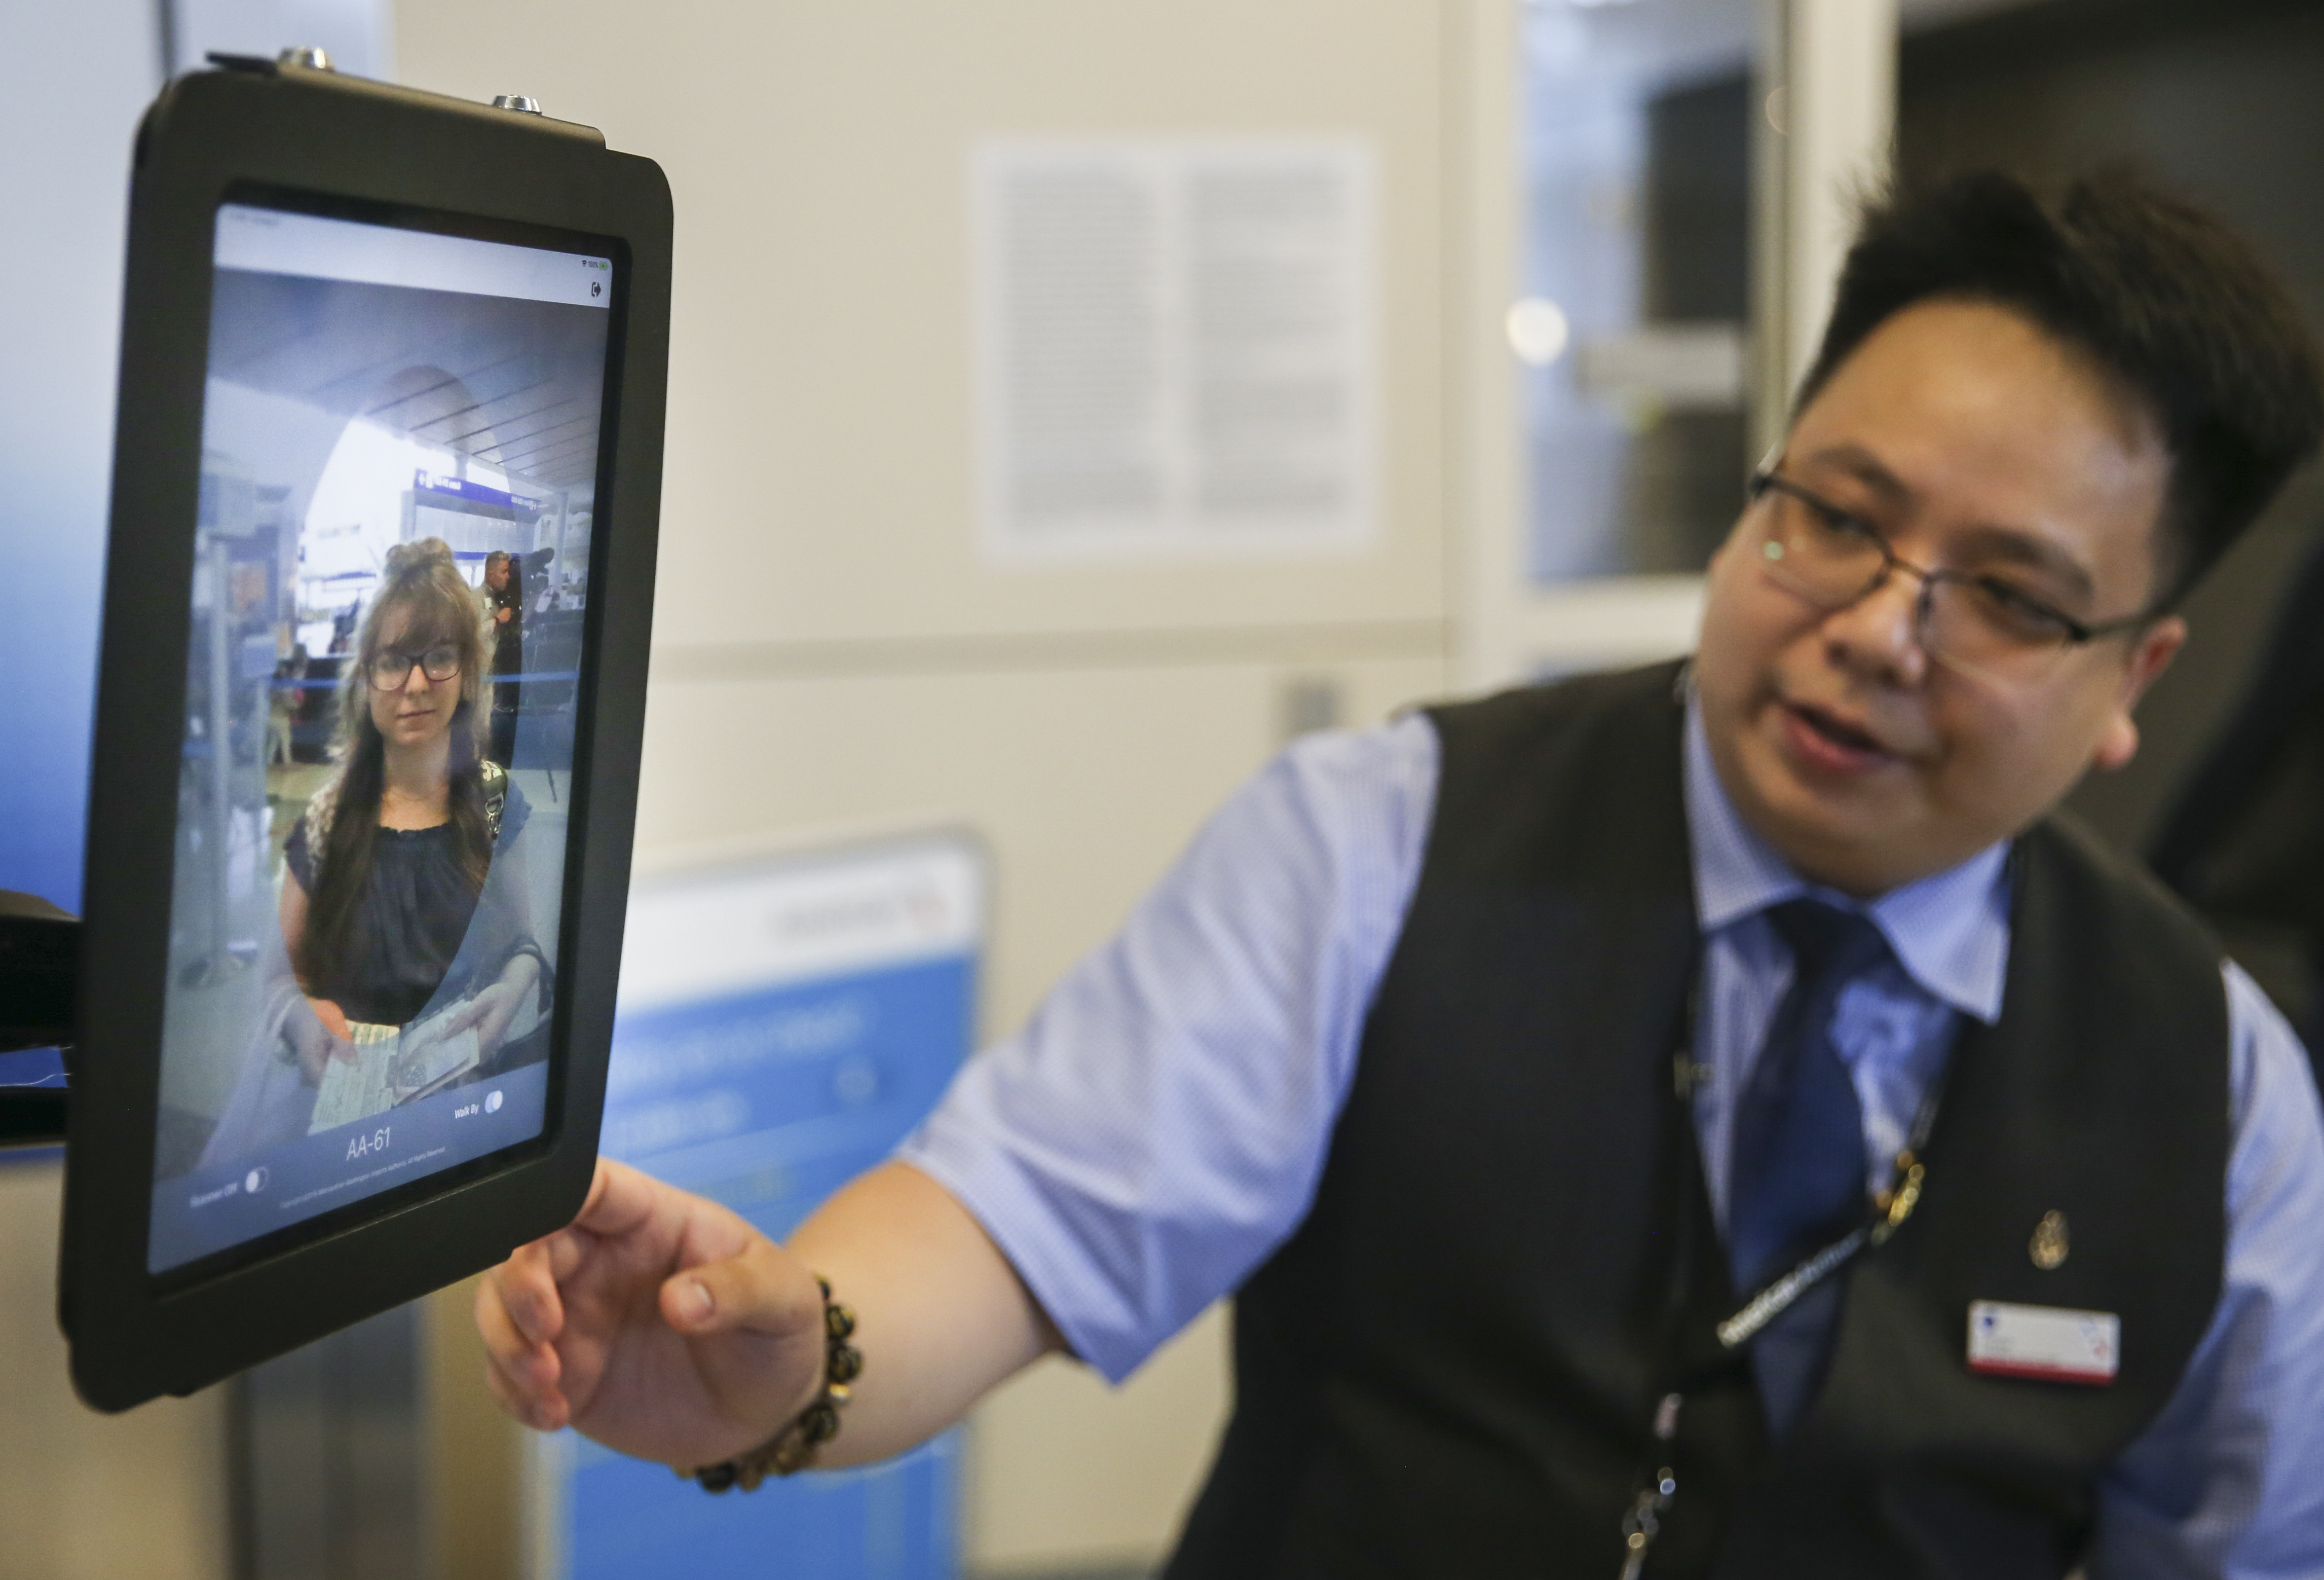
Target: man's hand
667, 1328
658, 1323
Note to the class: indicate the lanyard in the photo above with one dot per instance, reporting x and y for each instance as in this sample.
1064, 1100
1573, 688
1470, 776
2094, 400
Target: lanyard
1890, 1208
1642, 1522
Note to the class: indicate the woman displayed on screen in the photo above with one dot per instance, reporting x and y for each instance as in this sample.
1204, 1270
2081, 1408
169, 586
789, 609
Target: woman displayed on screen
384, 870
389, 927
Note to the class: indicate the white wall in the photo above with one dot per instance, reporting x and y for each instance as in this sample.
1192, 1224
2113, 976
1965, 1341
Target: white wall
830, 645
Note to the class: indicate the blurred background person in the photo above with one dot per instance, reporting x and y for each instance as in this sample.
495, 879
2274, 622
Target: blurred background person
503, 601
282, 707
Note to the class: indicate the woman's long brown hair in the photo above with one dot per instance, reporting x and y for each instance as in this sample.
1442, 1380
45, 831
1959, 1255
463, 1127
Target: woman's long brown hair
422, 578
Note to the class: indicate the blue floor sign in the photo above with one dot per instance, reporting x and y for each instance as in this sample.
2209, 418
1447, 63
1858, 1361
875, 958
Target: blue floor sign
782, 1025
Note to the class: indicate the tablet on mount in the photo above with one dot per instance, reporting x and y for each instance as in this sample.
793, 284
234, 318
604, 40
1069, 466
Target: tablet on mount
370, 700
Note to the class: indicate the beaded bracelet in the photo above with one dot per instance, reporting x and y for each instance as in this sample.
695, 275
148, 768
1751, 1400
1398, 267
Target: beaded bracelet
794, 1449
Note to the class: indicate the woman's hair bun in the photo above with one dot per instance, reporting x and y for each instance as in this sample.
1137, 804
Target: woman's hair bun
417, 558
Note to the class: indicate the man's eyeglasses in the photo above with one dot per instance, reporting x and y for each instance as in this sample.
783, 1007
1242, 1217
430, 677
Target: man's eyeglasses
1967, 620
390, 668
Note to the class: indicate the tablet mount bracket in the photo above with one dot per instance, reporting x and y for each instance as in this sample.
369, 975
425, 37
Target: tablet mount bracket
39, 956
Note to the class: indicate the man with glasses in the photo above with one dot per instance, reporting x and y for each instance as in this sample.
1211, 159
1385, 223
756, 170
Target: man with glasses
1707, 1119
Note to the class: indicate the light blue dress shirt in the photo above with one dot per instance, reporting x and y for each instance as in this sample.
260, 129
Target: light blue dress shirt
1161, 1124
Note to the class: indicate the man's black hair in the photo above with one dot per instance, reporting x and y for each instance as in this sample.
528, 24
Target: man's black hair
2161, 294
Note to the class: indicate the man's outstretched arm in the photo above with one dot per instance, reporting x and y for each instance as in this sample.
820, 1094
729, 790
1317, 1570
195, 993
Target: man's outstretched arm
666, 1327
1154, 1133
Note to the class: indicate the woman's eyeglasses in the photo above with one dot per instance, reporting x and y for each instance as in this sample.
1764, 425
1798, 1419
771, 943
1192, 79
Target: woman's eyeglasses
391, 667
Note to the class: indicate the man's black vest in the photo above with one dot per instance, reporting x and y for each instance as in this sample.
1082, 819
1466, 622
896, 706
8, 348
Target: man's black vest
1451, 1368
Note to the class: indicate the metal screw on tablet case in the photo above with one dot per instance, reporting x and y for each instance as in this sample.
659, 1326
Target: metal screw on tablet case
517, 102
313, 57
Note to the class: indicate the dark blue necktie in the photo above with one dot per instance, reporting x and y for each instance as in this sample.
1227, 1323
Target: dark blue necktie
1798, 1178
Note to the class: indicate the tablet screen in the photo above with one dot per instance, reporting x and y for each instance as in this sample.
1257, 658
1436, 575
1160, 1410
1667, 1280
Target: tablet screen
400, 433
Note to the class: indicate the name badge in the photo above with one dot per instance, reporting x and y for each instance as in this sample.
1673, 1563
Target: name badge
2045, 1342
